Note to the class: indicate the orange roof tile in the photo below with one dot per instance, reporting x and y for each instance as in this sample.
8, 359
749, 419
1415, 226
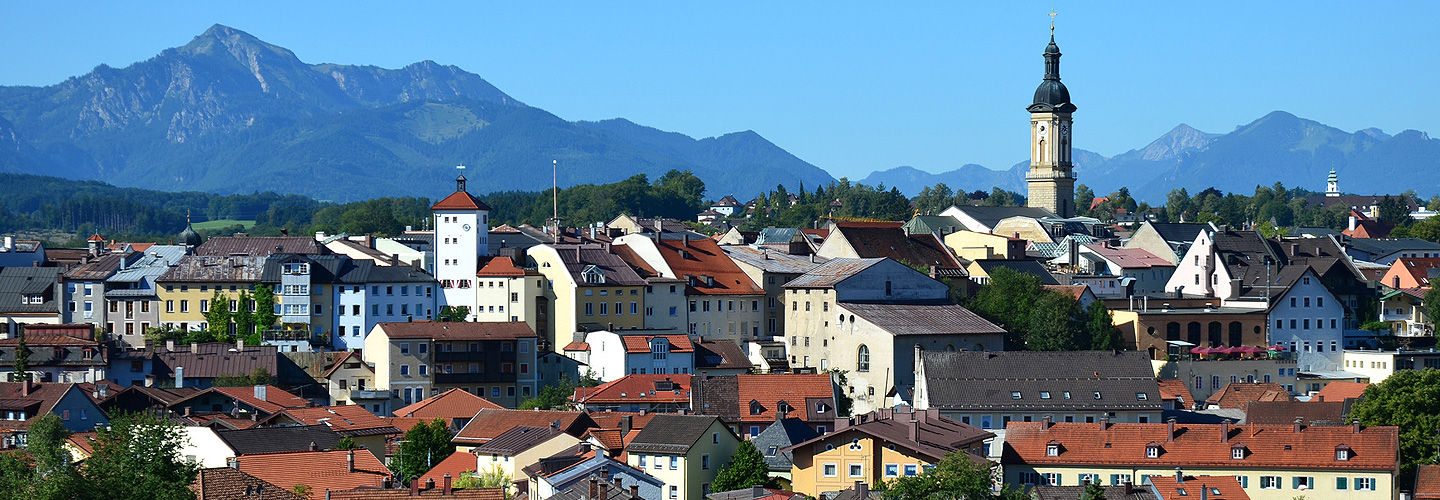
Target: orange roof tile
320, 470
95, 237
500, 266
340, 362
635, 344
1340, 391
345, 420
407, 423
637, 388
1201, 445
1176, 390
611, 419
1240, 394
792, 388
1427, 482
451, 404
610, 439
489, 423
704, 258
1073, 291
460, 200
368, 493
460, 461
1219, 487
577, 346
275, 398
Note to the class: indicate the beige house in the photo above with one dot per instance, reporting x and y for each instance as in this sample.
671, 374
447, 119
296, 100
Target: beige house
506, 292
867, 316
351, 381
521, 447
418, 360
586, 288
686, 452
970, 245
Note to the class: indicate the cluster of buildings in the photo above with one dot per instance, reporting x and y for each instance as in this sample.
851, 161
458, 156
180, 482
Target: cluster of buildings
839, 351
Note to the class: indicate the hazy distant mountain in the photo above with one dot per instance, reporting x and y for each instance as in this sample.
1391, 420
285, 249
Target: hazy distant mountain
230, 113
1277, 147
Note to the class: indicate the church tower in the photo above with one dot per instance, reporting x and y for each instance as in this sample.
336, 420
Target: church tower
1051, 180
1332, 185
462, 238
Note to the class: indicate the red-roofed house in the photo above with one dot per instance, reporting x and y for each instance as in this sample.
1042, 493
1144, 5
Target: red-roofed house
1427, 482
1181, 486
505, 292
721, 300
1271, 462
489, 424
631, 393
260, 400
352, 382
1149, 273
615, 354
750, 403
1410, 272
1340, 391
1175, 394
455, 406
322, 471
1238, 395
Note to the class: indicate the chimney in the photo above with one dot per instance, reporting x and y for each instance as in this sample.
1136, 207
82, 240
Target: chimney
187, 411
260, 393
1180, 476
179, 376
1204, 493
233, 462
1225, 430
1320, 398
1352, 223
194, 348
415, 487
1299, 424
625, 423
25, 384
635, 491
394, 259
314, 447
594, 488
1357, 427
1294, 249
1170, 430
349, 460
1105, 423
170, 345
1047, 422
447, 491
429, 484
239, 344
862, 490
915, 424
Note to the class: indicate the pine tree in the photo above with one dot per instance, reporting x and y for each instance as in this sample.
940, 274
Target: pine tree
22, 361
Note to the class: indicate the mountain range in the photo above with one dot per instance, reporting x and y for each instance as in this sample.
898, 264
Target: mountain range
229, 113
1278, 147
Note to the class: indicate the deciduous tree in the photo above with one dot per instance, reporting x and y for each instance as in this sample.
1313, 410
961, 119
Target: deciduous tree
746, 468
423, 446
1410, 400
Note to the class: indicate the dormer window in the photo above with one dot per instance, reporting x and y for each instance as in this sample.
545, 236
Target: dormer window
1052, 449
1152, 450
1342, 453
1044, 394
1237, 452
593, 275
1097, 394
756, 408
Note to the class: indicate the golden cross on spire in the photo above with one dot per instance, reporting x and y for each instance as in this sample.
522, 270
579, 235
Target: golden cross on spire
1052, 20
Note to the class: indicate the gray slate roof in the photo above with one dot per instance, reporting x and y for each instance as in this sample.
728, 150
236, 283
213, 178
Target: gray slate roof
616, 271
517, 440
772, 261
1178, 232
259, 245
671, 434
279, 439
1020, 265
18, 281
1386, 246
922, 319
975, 381
832, 273
210, 269
989, 216
773, 441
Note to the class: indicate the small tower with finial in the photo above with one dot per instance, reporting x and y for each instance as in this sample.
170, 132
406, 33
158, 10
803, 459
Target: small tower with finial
1332, 185
1051, 178
462, 240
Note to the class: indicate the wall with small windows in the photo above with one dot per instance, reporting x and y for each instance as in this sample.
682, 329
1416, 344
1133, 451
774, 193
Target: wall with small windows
1259, 482
1308, 321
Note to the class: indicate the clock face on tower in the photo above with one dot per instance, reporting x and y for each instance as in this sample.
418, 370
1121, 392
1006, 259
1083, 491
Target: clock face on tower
1042, 128
465, 227
1064, 129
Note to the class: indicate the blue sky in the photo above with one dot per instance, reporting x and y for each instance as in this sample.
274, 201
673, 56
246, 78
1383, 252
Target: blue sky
851, 87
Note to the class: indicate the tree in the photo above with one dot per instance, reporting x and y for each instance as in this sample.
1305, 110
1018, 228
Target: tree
53, 473
22, 360
260, 376
424, 445
551, 397
1100, 327
265, 316
493, 478
218, 316
1052, 325
1410, 400
1007, 301
1093, 491
746, 468
453, 314
244, 315
138, 457
346, 443
958, 475
844, 403
301, 489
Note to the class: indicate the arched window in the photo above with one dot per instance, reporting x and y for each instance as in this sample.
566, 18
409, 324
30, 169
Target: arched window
1172, 331
1215, 336
1237, 334
1192, 332
864, 358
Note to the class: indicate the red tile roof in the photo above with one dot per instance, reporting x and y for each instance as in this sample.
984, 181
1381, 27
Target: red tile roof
1201, 445
577, 346
611, 419
770, 389
95, 237
1072, 291
320, 470
701, 259
1412, 272
635, 344
489, 423
224, 483
1340, 391
36, 339
460, 200
460, 461
497, 330
451, 404
1176, 390
637, 389
275, 398
1219, 488
340, 362
345, 420
368, 493
1238, 395
1427, 482
500, 266
406, 423
1128, 258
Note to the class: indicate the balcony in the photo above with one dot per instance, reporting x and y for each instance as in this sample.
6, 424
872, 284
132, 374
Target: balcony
461, 357
470, 378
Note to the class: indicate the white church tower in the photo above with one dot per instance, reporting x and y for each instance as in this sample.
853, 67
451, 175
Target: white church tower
1332, 186
462, 237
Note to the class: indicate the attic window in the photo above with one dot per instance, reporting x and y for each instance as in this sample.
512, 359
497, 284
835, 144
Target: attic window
756, 408
771, 451
1097, 394
1066, 394
1139, 396
1052, 449
1014, 394
1182, 492
1044, 394
1342, 453
1237, 452
1152, 450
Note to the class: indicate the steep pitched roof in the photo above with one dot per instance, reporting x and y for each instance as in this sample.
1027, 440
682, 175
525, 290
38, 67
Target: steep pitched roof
635, 344
500, 266
937, 435
1216, 487
1129, 258
16, 282
224, 483
517, 440
260, 440
1201, 445
772, 261
504, 330
990, 216
460, 200
922, 319
579, 257
451, 404
1177, 232
922, 249
722, 354
774, 441
714, 273
832, 273
322, 471
671, 434
96, 269
345, 420
1019, 265
40, 401
757, 398
1427, 482
1033, 381
1340, 391
1176, 390
1239, 394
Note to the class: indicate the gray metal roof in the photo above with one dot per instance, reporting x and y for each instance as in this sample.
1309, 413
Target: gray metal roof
18, 281
616, 271
989, 216
772, 261
1386, 246
211, 269
259, 245
671, 434
279, 439
921, 319
779, 436
1045, 381
832, 273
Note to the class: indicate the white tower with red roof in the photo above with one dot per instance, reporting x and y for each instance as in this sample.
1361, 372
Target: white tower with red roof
462, 237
